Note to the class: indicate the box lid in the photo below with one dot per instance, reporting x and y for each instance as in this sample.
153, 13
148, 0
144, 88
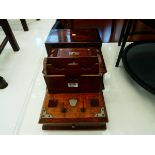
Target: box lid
73, 36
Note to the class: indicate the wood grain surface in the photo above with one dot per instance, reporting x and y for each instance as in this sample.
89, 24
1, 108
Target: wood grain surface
74, 113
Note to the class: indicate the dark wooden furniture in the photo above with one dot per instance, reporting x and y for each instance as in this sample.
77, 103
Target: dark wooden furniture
128, 30
92, 64
139, 61
9, 36
106, 27
24, 24
109, 29
65, 38
73, 72
3, 83
140, 28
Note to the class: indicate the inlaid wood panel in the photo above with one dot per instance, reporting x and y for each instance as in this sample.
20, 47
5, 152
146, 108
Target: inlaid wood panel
81, 110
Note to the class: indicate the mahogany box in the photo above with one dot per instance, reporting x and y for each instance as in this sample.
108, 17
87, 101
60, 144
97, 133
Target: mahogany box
71, 38
74, 111
74, 70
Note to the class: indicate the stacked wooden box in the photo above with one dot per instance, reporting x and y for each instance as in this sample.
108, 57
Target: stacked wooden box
73, 72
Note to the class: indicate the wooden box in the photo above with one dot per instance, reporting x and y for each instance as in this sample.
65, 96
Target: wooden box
71, 38
77, 70
74, 111
85, 57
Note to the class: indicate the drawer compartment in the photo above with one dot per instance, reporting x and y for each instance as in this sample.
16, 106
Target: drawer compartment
66, 84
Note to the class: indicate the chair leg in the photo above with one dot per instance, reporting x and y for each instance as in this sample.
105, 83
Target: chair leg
124, 42
3, 83
24, 24
122, 32
4, 42
9, 34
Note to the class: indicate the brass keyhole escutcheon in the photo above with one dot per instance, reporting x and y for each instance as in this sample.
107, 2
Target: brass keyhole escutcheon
73, 102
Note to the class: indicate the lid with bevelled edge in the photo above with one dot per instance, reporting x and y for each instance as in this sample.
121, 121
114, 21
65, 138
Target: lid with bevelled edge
74, 38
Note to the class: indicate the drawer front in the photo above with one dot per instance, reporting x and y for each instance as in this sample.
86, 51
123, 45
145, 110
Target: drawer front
61, 84
75, 126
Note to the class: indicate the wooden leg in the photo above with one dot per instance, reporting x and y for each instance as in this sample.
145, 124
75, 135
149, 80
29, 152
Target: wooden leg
3, 83
122, 32
134, 25
124, 42
24, 24
113, 26
3, 44
9, 34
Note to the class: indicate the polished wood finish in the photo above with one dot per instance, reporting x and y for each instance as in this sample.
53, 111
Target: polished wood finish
67, 38
137, 26
74, 66
106, 27
74, 118
73, 84
73, 73
79, 53
77, 126
109, 29
86, 60
73, 52
81, 67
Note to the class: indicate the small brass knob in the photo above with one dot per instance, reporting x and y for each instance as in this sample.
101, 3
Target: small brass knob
73, 126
